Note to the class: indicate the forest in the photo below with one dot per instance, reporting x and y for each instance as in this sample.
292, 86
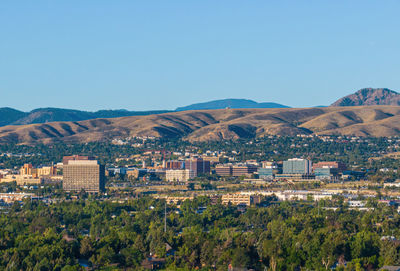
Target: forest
108, 235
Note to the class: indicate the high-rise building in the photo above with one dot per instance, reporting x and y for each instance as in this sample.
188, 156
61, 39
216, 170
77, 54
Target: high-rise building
87, 175
297, 166
198, 166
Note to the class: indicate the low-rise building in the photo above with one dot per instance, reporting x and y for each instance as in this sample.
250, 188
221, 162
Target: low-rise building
240, 199
29, 170
11, 197
326, 173
237, 170
268, 172
302, 195
243, 170
223, 170
179, 175
295, 177
339, 165
22, 179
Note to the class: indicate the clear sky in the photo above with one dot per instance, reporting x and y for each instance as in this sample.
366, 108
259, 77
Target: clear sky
142, 55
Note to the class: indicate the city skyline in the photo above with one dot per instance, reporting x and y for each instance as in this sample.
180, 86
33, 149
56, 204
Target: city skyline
150, 56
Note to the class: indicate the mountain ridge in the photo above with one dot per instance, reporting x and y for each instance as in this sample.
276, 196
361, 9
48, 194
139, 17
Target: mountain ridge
230, 103
222, 124
10, 116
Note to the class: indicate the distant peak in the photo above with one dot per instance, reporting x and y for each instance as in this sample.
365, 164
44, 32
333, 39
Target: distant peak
370, 96
230, 103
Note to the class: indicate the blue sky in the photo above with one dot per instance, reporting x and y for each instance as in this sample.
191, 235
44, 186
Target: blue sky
142, 55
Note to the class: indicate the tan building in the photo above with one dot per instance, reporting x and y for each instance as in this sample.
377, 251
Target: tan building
11, 197
75, 157
240, 199
26, 170
22, 179
87, 175
46, 171
179, 175
29, 170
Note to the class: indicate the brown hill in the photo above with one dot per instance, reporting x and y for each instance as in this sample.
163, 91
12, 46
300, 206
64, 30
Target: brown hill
207, 125
370, 96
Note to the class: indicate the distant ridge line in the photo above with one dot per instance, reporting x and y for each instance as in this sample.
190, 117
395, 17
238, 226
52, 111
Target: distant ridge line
214, 125
230, 103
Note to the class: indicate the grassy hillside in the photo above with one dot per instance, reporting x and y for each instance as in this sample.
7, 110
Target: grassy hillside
204, 125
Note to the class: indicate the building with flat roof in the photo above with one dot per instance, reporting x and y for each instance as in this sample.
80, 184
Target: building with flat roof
339, 165
243, 170
179, 175
87, 175
223, 170
240, 199
297, 166
295, 177
75, 157
21, 179
29, 170
266, 173
11, 197
235, 170
326, 173
198, 166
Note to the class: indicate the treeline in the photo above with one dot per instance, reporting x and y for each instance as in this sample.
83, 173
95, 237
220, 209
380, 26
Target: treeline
119, 236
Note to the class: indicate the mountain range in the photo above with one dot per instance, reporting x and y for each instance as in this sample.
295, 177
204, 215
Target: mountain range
349, 115
10, 116
206, 125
